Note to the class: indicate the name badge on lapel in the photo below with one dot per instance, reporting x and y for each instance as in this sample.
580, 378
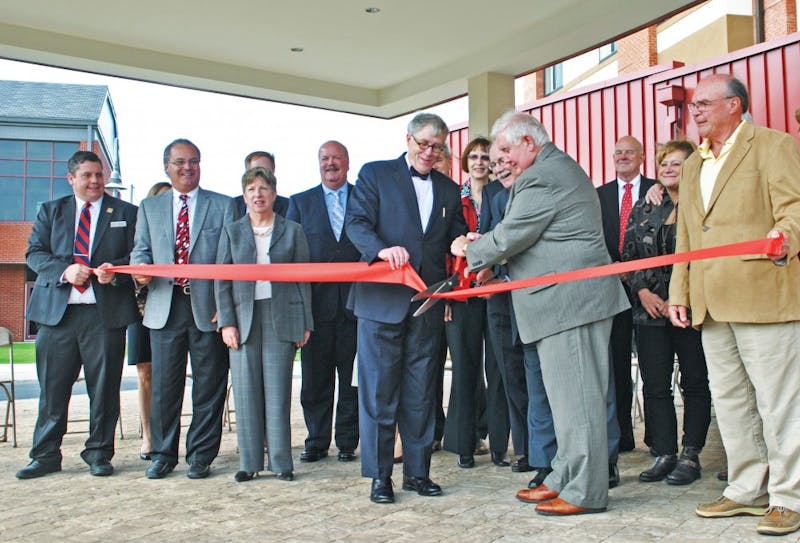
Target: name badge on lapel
118, 224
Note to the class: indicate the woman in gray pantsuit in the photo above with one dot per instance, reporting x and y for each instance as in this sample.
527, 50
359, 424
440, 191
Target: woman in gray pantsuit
263, 323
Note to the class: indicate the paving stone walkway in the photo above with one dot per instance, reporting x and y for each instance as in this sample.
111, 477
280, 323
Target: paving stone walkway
328, 500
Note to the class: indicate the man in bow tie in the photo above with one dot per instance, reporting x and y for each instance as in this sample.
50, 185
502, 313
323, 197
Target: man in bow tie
402, 212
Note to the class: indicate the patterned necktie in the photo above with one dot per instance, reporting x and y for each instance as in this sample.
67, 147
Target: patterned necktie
624, 213
81, 250
337, 215
182, 239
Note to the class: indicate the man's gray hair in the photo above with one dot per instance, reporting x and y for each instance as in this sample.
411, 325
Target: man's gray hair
737, 89
516, 125
421, 120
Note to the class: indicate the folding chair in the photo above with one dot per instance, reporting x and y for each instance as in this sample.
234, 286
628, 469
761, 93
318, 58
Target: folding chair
7, 384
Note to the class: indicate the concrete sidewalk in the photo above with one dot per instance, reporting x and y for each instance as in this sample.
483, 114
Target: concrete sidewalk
328, 501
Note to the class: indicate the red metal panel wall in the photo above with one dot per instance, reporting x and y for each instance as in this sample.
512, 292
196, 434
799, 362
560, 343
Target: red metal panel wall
588, 121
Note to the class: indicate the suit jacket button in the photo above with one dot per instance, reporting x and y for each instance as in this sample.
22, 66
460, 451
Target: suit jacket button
706, 228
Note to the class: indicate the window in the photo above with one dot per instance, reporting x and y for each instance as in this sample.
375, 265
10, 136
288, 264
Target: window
553, 78
607, 50
32, 172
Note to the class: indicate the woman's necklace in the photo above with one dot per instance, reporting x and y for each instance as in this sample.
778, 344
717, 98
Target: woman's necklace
263, 231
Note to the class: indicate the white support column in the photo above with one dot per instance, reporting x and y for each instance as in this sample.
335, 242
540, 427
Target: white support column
490, 95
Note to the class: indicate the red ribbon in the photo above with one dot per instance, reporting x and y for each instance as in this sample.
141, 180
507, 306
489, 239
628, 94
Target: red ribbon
381, 272
329, 272
767, 246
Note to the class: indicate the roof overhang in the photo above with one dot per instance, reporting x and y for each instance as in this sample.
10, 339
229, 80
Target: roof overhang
410, 55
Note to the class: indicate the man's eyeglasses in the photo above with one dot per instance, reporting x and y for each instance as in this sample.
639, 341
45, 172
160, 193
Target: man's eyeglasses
703, 105
424, 146
476, 156
180, 163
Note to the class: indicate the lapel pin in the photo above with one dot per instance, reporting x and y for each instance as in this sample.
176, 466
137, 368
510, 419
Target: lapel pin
109, 210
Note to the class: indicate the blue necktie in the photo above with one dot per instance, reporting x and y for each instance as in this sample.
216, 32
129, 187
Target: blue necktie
336, 213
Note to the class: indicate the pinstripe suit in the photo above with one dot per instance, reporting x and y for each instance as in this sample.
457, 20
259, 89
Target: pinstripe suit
261, 369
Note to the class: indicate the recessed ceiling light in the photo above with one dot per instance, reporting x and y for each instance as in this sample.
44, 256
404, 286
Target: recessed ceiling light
372, 10
296, 49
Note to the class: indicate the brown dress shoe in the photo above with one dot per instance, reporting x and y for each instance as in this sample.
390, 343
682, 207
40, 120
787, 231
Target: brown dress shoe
536, 495
558, 506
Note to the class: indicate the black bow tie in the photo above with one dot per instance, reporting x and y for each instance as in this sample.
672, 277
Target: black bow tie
415, 173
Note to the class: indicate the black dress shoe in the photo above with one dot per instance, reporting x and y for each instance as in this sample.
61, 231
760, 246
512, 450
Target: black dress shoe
437, 445
198, 470
144, 456
382, 490
422, 486
722, 474
466, 461
660, 468
538, 479
286, 476
313, 455
499, 459
243, 476
688, 469
158, 469
101, 468
613, 476
520, 465
38, 468
346, 456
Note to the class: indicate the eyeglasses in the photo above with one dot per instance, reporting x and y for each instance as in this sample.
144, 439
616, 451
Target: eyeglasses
424, 146
476, 156
500, 163
626, 152
180, 163
703, 105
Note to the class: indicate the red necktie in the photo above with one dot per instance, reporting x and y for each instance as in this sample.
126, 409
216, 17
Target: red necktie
82, 236
624, 213
182, 239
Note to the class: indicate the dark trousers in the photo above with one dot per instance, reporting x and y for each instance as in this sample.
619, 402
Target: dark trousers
621, 342
465, 339
79, 339
396, 377
658, 346
330, 352
209, 358
438, 408
512, 368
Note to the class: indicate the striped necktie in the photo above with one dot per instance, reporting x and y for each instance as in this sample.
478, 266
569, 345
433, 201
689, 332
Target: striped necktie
82, 236
336, 215
182, 238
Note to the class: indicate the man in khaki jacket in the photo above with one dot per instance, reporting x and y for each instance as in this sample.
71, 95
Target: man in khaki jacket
744, 183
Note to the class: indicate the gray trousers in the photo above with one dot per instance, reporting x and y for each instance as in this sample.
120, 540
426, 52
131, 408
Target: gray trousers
575, 371
261, 373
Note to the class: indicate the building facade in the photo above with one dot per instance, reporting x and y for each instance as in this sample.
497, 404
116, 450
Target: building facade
41, 126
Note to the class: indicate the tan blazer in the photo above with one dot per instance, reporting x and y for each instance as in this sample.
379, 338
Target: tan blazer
758, 189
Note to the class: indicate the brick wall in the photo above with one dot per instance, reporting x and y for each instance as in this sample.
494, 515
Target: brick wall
780, 18
12, 302
638, 50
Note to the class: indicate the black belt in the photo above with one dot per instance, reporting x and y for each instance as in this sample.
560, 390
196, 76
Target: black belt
185, 290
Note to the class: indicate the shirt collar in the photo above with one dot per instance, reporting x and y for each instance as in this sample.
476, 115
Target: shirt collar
341, 190
705, 147
176, 196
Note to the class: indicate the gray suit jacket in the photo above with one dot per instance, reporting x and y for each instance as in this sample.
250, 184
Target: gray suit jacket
552, 224
292, 301
50, 249
155, 244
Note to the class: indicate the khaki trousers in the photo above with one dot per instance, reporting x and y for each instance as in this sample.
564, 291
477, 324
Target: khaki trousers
754, 373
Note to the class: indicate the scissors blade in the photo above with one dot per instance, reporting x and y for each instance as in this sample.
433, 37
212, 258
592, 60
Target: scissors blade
445, 286
424, 294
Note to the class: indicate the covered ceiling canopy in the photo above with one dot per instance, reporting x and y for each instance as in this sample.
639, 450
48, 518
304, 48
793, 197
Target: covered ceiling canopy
408, 55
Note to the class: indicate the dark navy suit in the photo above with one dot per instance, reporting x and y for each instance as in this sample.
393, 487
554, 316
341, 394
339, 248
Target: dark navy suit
331, 348
92, 335
622, 328
396, 367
